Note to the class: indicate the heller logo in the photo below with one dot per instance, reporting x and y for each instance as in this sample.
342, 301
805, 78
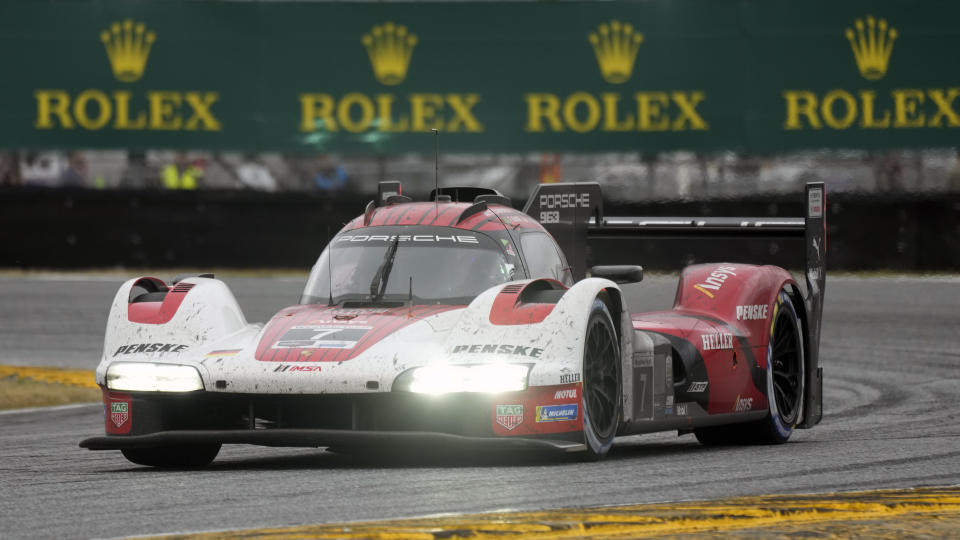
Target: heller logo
616, 46
128, 47
510, 416
119, 412
872, 44
390, 47
717, 342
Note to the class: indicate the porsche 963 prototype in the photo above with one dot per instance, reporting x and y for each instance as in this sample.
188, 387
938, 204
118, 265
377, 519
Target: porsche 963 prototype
444, 323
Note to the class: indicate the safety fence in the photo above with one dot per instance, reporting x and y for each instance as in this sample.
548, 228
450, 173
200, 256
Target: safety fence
73, 229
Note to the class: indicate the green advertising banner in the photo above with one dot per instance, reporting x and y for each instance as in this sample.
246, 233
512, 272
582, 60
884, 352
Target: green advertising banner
746, 75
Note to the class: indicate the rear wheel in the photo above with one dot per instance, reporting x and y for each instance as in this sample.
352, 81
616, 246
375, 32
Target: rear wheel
785, 375
785, 385
601, 382
173, 456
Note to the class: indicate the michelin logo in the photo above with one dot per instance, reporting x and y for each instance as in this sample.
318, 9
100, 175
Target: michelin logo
557, 413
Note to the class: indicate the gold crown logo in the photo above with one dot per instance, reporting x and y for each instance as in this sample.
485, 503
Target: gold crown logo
128, 46
872, 44
616, 47
390, 47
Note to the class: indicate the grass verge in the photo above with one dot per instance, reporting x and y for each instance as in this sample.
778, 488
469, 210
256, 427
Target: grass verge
22, 387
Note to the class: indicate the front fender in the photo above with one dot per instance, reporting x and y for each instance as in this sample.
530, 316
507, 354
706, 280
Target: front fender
197, 311
551, 340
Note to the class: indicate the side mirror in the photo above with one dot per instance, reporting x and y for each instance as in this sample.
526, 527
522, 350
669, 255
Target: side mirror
621, 274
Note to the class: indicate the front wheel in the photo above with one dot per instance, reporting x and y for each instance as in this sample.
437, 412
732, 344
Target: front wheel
173, 457
601, 382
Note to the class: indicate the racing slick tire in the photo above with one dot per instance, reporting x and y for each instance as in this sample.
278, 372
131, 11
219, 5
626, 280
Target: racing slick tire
785, 385
601, 382
173, 457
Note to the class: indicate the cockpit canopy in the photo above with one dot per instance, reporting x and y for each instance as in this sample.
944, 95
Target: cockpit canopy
440, 265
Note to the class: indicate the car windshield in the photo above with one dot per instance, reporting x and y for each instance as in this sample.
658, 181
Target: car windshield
447, 265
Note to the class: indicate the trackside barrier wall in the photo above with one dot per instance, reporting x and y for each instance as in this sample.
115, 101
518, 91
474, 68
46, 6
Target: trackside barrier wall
64, 229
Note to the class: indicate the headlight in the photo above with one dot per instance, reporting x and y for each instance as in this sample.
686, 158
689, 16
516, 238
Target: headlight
147, 377
441, 379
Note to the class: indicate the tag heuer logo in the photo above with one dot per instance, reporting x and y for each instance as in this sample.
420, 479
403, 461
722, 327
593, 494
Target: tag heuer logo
509, 416
119, 412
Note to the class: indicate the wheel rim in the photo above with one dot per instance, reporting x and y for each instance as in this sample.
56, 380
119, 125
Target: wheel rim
786, 368
600, 379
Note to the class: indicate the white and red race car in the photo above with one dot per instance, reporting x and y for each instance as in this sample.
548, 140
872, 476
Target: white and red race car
446, 323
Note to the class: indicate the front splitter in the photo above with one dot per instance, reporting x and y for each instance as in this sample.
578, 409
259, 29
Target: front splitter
314, 438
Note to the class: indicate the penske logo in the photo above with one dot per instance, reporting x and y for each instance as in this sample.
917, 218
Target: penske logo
752, 313
491, 348
147, 348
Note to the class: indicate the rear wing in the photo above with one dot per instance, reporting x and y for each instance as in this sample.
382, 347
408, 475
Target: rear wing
573, 214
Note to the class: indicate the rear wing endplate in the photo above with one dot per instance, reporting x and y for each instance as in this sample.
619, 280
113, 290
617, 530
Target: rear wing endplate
573, 214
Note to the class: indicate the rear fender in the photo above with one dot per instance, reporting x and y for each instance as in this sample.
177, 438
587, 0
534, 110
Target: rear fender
740, 295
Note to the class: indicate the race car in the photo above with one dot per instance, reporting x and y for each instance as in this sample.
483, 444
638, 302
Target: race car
445, 323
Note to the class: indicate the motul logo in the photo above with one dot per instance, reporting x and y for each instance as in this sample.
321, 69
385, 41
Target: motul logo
570, 393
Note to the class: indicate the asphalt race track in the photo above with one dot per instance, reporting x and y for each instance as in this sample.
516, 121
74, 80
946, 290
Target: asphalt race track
891, 350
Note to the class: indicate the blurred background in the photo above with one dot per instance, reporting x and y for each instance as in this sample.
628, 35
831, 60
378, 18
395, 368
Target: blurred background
244, 133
